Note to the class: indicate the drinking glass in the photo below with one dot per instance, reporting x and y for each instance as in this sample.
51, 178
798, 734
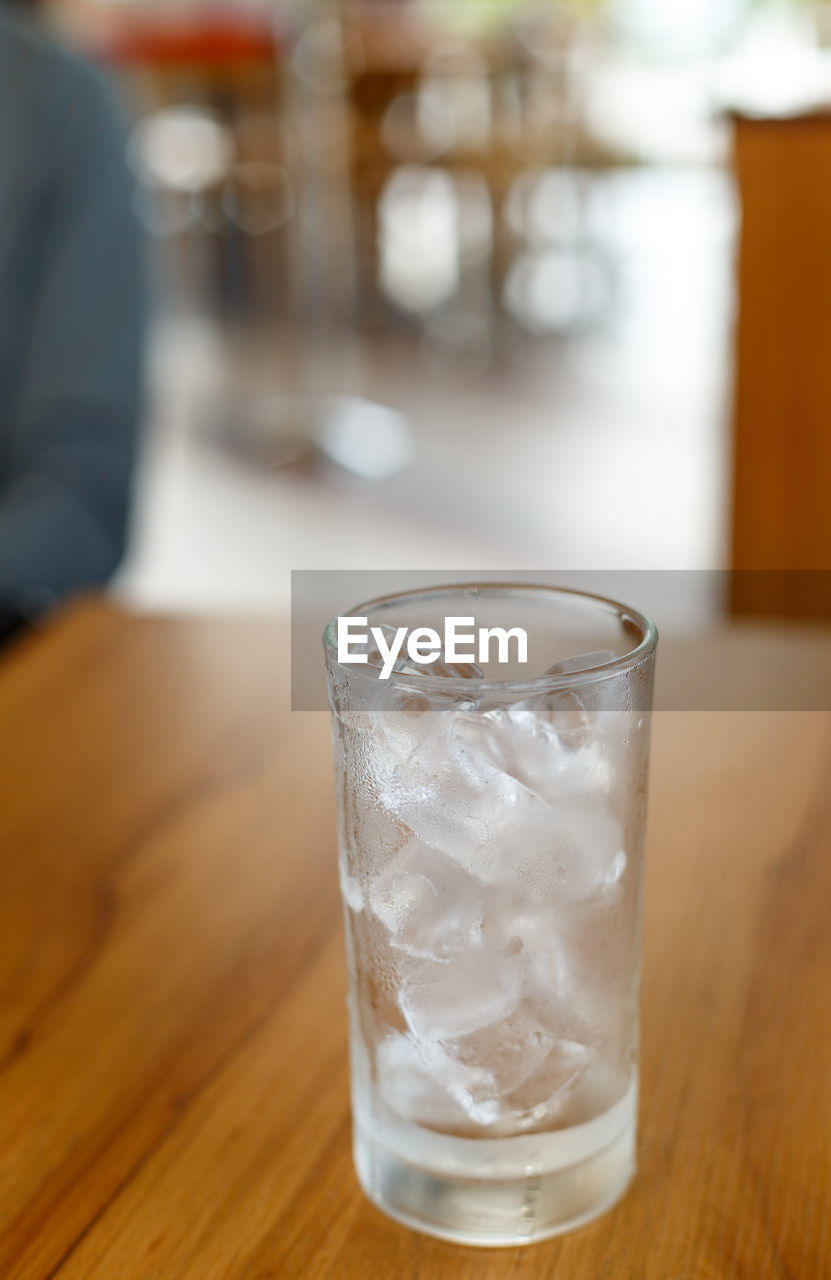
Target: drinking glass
491, 830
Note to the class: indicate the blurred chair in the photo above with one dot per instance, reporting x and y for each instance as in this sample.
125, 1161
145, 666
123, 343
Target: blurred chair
208, 52
206, 81
452, 115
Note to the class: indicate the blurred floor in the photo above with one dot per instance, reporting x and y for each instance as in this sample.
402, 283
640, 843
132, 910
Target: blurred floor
606, 450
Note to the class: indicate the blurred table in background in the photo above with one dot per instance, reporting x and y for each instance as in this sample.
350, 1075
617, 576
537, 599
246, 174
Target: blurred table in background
442, 157
173, 1064
782, 396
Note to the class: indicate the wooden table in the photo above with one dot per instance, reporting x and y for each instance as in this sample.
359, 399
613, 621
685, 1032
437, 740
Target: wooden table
173, 1079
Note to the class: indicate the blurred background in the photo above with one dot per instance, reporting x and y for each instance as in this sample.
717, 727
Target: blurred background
439, 282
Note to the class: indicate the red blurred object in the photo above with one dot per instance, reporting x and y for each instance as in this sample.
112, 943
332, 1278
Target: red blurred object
194, 36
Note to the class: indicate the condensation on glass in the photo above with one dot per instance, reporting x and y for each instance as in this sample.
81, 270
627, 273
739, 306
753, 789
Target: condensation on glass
491, 826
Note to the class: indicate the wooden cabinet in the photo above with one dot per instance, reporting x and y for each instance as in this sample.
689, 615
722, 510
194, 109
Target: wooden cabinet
782, 394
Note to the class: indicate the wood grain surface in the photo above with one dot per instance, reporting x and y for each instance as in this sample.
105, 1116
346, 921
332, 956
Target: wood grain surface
173, 1078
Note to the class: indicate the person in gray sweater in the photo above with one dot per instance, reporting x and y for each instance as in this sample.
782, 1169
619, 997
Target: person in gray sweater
71, 326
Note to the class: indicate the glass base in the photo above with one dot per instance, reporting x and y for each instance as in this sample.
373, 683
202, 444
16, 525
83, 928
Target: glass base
506, 1191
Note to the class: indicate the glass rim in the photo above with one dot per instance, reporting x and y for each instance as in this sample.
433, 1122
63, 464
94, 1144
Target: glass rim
427, 683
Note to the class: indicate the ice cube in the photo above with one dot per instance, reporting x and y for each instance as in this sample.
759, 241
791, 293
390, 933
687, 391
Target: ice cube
502, 1056
543, 1095
382, 737
468, 1084
559, 747
446, 1001
516, 1074
351, 889
457, 670
426, 901
530, 747
577, 715
579, 854
614, 871
582, 662
422, 1083
453, 794
562, 855
573, 971
441, 667
544, 938
510, 1074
